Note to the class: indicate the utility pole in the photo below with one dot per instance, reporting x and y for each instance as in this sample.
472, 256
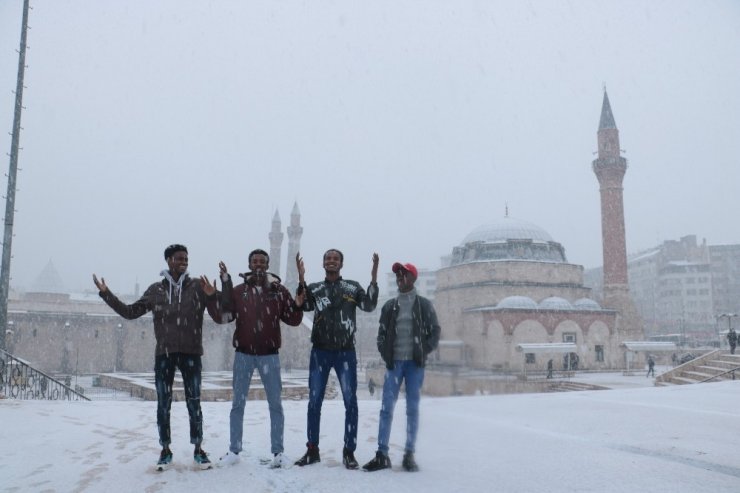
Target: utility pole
12, 172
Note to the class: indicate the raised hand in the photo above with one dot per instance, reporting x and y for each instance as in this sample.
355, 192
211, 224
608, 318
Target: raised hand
100, 284
374, 272
301, 268
208, 288
223, 271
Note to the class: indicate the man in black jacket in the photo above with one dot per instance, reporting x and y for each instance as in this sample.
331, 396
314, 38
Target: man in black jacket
177, 304
334, 301
408, 332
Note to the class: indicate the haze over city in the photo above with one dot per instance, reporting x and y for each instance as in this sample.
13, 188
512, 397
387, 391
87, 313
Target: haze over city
397, 127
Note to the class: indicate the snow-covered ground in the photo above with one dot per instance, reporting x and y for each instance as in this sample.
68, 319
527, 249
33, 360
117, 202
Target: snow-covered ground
642, 439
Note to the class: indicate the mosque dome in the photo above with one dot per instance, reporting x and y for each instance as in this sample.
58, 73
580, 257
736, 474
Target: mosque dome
555, 303
508, 228
586, 304
508, 239
520, 302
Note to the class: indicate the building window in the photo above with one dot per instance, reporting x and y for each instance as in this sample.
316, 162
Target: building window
599, 353
529, 358
569, 337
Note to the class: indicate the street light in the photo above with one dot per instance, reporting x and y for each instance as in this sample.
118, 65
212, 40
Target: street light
729, 316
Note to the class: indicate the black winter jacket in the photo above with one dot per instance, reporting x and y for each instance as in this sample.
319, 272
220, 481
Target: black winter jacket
335, 303
426, 330
178, 322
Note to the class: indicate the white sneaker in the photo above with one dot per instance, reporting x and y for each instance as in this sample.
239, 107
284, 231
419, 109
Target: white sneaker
228, 460
280, 462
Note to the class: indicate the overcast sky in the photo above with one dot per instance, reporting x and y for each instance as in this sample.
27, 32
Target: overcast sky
397, 126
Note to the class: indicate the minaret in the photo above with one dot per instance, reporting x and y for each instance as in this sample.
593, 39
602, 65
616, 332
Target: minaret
294, 246
276, 242
610, 168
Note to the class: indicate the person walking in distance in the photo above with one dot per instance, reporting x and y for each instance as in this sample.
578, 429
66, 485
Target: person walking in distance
651, 366
177, 304
732, 340
334, 301
258, 305
407, 333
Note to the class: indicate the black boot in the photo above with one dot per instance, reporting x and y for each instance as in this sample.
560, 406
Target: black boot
348, 459
409, 464
310, 457
381, 461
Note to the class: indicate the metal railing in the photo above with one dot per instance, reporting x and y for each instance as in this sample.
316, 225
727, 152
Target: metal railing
19, 380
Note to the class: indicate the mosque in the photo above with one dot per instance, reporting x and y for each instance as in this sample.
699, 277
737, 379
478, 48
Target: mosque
510, 300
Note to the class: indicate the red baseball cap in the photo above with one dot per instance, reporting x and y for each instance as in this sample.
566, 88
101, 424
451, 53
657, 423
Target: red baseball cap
407, 267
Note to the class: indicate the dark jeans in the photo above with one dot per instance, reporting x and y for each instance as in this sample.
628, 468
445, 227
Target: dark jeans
164, 376
345, 366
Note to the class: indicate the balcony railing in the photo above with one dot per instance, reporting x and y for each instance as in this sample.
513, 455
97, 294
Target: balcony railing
19, 380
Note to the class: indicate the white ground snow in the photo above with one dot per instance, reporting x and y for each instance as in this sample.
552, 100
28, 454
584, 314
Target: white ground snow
641, 439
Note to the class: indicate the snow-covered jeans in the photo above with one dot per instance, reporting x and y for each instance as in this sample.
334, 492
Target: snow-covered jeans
345, 366
164, 376
268, 367
414, 376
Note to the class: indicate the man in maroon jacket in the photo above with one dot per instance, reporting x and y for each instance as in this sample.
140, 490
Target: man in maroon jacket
258, 305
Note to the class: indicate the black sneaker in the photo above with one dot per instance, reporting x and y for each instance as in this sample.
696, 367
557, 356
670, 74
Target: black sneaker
201, 459
348, 459
310, 457
165, 459
409, 464
381, 461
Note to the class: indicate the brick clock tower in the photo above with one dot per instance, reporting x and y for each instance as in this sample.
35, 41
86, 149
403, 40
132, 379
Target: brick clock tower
610, 168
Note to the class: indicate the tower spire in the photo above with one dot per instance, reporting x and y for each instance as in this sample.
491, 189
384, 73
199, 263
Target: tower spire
276, 242
295, 231
610, 168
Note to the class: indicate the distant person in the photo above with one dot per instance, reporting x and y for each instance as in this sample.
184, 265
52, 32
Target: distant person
674, 359
335, 301
407, 333
177, 304
651, 366
371, 387
549, 368
259, 304
732, 339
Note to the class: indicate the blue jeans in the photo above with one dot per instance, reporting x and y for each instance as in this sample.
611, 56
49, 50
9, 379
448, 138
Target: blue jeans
414, 376
164, 376
345, 366
268, 367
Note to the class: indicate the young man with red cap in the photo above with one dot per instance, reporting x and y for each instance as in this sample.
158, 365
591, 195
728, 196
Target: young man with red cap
408, 332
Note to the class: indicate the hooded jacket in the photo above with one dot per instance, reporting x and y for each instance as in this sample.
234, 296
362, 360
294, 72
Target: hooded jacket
177, 312
335, 303
258, 310
425, 330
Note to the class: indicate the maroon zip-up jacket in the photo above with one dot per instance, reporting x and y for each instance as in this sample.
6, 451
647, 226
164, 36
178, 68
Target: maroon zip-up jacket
258, 310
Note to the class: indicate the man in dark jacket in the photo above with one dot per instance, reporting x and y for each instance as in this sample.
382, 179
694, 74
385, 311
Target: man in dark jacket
335, 301
258, 305
177, 304
407, 333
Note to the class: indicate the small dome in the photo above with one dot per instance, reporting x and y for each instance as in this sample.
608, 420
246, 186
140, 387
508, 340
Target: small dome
586, 304
508, 228
521, 302
555, 303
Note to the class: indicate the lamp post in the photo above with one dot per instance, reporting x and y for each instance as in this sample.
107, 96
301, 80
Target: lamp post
729, 317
